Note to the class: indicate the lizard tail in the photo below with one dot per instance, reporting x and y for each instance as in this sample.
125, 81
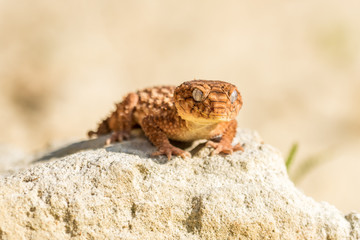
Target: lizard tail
103, 128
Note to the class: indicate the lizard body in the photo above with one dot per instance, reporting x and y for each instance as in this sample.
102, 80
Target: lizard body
198, 109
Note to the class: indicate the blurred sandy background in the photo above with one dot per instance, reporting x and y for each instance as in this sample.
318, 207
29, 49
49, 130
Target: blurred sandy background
297, 63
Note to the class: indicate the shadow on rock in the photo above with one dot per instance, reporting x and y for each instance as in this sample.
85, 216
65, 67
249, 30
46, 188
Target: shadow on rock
138, 145
74, 148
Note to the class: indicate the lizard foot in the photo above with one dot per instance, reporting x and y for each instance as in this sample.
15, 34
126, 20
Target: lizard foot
118, 136
224, 148
170, 150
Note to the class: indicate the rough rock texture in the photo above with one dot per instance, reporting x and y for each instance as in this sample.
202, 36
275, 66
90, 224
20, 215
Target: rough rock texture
119, 192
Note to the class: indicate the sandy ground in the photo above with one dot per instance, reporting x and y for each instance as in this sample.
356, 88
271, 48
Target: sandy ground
64, 64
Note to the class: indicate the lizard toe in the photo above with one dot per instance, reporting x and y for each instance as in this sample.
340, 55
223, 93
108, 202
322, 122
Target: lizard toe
118, 136
212, 144
108, 141
238, 147
185, 154
171, 150
223, 148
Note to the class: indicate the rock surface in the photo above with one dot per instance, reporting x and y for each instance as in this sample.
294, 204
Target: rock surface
119, 192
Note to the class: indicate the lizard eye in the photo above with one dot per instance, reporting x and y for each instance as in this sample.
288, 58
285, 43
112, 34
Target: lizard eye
233, 96
197, 94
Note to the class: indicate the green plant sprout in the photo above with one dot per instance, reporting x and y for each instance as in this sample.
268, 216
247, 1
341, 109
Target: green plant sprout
290, 158
306, 165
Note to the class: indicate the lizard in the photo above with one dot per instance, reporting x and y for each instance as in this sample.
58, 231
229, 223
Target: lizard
197, 109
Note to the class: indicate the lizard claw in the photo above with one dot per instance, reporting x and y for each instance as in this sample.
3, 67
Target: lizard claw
225, 148
118, 136
170, 150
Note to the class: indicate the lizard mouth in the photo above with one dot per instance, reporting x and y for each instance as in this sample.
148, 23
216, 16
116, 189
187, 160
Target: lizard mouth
206, 115
219, 117
204, 118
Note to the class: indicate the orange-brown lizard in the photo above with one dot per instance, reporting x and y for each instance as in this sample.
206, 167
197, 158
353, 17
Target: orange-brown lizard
198, 109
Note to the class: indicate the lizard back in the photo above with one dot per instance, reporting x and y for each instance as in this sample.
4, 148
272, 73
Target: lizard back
154, 100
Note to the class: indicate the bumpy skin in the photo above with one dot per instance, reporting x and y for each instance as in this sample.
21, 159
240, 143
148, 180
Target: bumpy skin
198, 109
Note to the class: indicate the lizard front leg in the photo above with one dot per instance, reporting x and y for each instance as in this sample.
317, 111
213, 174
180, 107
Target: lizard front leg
228, 134
150, 126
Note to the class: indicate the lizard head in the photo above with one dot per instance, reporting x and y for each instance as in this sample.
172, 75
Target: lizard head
206, 102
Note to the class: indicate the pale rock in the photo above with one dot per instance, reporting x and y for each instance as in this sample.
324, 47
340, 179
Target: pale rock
120, 192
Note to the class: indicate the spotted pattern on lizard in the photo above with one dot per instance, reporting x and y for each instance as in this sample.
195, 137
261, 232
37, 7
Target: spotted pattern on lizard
198, 109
